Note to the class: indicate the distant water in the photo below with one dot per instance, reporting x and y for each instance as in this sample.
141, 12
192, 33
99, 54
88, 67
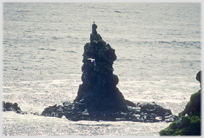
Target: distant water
158, 48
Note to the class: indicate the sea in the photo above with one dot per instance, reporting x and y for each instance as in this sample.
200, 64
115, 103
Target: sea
158, 48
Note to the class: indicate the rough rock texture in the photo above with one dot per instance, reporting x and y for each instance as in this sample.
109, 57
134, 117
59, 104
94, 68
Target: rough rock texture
54, 111
98, 91
189, 122
7, 106
98, 98
142, 112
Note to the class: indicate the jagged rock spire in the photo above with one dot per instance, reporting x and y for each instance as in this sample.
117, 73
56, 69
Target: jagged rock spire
99, 91
94, 27
98, 98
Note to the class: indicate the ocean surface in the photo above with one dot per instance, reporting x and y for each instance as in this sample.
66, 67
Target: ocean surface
158, 48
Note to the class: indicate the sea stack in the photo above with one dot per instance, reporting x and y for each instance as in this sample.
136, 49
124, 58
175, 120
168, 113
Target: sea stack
98, 92
98, 98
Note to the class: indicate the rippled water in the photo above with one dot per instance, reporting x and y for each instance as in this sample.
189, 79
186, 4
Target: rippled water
158, 50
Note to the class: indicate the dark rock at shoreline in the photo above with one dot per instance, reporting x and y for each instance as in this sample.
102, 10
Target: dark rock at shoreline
140, 112
53, 111
145, 112
154, 108
8, 106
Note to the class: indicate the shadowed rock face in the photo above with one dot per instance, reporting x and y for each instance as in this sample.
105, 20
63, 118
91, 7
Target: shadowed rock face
98, 91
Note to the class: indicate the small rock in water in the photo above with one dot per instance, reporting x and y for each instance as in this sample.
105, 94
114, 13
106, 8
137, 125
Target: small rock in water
8, 106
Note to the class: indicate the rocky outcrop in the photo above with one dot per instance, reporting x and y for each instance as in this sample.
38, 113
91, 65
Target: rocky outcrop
54, 111
98, 98
141, 112
189, 122
8, 106
155, 110
98, 92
